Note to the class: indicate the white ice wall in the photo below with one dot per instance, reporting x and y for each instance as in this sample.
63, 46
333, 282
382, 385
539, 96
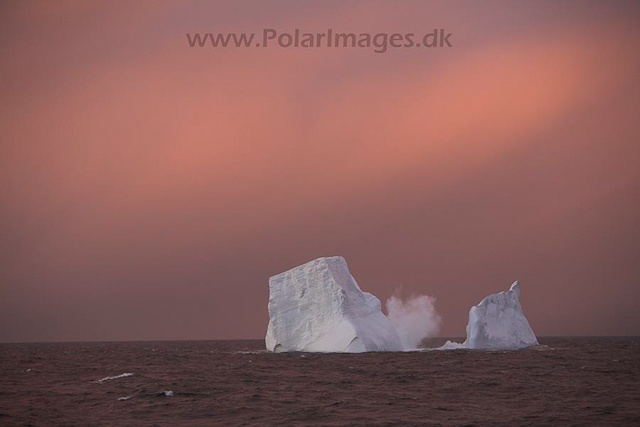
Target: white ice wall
319, 307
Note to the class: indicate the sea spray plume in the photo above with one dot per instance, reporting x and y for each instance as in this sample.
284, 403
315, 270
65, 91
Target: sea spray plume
414, 318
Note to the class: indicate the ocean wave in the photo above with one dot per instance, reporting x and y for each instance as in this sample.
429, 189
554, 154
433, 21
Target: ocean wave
126, 374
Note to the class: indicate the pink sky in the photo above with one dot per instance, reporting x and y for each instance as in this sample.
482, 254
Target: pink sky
149, 189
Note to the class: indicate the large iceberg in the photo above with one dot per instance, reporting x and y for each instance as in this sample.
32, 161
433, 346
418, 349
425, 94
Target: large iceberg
319, 307
497, 323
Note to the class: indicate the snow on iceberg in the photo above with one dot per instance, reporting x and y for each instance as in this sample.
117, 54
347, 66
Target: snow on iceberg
319, 307
497, 323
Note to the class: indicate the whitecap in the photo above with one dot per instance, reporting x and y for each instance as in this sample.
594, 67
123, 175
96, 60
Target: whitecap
126, 398
126, 374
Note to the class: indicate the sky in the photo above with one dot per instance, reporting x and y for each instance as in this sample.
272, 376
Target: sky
148, 190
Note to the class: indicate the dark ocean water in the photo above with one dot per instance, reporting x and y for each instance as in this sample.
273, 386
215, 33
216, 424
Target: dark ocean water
573, 381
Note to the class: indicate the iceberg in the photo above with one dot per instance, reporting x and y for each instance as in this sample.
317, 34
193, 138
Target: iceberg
497, 323
319, 307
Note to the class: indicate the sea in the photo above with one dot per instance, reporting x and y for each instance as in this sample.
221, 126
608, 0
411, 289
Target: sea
585, 381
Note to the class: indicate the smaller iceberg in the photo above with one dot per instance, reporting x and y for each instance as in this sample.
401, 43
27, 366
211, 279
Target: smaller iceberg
497, 323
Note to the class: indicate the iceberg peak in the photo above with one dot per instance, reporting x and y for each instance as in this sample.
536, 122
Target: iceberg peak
515, 287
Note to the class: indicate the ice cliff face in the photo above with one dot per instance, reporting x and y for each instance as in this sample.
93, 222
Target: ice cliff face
319, 307
497, 323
